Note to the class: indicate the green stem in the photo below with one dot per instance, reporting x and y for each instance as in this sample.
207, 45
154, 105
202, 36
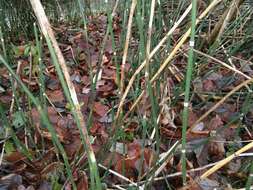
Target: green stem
3, 44
44, 119
187, 88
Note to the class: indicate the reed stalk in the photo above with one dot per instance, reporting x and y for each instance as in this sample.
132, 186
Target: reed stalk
44, 119
68, 88
187, 88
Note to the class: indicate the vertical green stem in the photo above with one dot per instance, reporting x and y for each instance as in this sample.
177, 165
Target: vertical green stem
250, 178
44, 119
187, 88
40, 74
41, 66
20, 146
2, 43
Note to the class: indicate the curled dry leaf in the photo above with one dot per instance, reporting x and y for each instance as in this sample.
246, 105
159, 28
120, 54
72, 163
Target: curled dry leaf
170, 133
105, 88
55, 95
100, 133
227, 111
53, 83
209, 85
215, 123
14, 157
133, 163
6, 98
192, 118
131, 127
82, 183
73, 145
100, 109
216, 149
61, 125
189, 165
109, 73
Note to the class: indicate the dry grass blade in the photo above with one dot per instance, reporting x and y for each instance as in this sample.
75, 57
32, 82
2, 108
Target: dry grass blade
118, 175
224, 20
126, 95
174, 51
222, 63
183, 40
15, 86
70, 91
220, 102
223, 162
47, 31
128, 36
152, 53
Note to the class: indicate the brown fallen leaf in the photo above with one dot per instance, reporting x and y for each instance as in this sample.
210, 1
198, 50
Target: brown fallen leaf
209, 85
55, 95
100, 109
132, 163
215, 123
14, 157
82, 183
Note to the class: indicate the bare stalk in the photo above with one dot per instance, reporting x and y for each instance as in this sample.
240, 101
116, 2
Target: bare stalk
128, 36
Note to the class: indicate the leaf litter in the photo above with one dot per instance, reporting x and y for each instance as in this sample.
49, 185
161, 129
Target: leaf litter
131, 158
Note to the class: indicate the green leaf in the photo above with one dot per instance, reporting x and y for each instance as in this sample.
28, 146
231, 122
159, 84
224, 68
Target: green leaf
33, 50
55, 184
15, 50
9, 147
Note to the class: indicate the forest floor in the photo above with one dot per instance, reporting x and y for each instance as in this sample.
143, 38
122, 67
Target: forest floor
133, 161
